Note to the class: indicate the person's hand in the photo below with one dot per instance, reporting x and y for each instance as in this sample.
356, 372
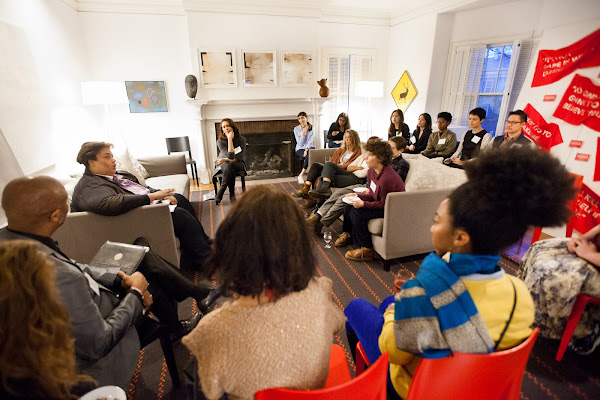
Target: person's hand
358, 203
221, 161
391, 307
411, 147
171, 199
447, 161
136, 280
305, 152
229, 135
585, 249
147, 300
457, 161
573, 243
334, 133
161, 194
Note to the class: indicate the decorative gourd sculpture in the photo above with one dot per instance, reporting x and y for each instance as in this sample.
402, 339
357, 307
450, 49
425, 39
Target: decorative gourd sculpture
324, 91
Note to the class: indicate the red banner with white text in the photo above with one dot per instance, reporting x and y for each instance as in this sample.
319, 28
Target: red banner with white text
580, 103
543, 134
587, 213
553, 65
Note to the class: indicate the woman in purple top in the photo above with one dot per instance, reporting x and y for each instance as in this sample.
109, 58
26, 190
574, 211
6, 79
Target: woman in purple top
381, 180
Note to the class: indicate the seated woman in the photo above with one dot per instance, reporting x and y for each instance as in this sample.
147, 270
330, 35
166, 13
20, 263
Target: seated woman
261, 340
230, 158
397, 125
336, 131
484, 309
37, 356
555, 271
336, 172
419, 138
381, 180
305, 140
473, 142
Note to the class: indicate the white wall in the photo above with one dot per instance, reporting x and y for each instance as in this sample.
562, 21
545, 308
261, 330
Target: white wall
39, 106
136, 47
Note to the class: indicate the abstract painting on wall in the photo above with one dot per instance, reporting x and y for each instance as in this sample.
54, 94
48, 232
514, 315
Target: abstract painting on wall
217, 68
259, 69
146, 96
297, 69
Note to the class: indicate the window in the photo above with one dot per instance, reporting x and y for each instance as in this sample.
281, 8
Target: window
344, 68
489, 76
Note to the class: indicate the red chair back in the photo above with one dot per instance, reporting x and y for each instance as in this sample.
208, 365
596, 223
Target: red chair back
494, 376
370, 385
338, 367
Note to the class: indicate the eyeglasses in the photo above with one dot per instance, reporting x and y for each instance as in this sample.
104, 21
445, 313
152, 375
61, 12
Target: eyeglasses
512, 122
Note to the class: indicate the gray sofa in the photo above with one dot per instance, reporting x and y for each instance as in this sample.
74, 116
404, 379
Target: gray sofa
405, 228
83, 233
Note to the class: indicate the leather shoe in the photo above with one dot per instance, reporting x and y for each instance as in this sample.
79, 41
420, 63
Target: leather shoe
187, 325
362, 254
208, 301
342, 240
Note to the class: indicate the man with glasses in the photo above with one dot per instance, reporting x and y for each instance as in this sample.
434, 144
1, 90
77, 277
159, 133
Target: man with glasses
514, 135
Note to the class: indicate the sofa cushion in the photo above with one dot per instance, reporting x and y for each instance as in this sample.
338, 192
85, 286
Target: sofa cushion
179, 182
425, 174
126, 162
376, 226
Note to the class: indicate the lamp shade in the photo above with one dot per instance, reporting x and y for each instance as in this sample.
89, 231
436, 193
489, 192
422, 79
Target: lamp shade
103, 93
370, 89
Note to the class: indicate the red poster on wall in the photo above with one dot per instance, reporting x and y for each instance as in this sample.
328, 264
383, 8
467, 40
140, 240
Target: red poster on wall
580, 103
597, 169
552, 65
587, 213
543, 134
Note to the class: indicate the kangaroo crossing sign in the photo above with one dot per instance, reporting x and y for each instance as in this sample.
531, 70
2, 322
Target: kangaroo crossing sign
404, 92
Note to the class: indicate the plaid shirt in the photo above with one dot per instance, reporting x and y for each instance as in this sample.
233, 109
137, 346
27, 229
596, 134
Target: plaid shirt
400, 165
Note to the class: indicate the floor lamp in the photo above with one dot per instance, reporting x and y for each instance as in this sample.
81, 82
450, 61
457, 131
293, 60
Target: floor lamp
369, 90
107, 94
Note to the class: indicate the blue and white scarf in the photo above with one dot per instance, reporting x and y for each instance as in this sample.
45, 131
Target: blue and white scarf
435, 314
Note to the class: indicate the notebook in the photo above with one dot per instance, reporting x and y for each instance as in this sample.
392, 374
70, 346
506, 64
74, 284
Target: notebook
126, 257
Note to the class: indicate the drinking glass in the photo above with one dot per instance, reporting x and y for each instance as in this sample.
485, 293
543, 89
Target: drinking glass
402, 276
327, 239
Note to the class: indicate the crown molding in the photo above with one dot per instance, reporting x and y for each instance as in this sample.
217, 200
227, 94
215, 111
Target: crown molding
72, 4
433, 7
157, 7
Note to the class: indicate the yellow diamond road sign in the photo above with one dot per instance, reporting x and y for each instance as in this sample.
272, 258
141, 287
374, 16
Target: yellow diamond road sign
404, 92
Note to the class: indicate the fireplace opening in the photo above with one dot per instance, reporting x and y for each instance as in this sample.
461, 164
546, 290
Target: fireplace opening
269, 148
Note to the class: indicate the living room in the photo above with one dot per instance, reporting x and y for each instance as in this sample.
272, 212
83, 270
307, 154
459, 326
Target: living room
53, 48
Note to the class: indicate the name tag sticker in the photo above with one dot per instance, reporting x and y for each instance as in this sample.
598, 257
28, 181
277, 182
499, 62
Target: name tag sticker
237, 150
373, 187
475, 139
93, 284
441, 141
413, 140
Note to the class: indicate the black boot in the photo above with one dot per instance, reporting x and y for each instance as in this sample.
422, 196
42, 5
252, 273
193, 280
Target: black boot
220, 194
210, 299
323, 191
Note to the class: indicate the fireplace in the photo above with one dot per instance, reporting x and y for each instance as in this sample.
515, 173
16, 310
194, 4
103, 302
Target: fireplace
269, 148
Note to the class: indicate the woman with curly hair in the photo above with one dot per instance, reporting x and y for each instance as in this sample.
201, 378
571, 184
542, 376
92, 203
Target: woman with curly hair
278, 333
483, 308
37, 356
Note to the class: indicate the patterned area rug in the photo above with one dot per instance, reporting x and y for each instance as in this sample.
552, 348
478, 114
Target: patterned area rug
575, 377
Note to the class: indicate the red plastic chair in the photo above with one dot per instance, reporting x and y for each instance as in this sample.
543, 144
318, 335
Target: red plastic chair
580, 302
494, 376
362, 361
372, 385
338, 367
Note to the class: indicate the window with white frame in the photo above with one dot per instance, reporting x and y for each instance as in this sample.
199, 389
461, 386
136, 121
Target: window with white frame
487, 75
345, 67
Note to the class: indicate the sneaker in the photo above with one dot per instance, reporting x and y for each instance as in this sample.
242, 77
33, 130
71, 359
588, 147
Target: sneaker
361, 254
342, 240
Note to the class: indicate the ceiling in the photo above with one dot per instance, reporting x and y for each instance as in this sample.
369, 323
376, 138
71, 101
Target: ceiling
373, 12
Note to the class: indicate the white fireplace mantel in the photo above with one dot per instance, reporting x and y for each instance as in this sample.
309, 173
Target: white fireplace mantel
209, 112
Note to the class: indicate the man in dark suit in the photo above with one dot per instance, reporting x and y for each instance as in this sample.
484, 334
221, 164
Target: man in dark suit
102, 191
103, 306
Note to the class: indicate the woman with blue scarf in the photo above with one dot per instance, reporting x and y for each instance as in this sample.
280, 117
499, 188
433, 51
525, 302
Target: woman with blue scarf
461, 299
